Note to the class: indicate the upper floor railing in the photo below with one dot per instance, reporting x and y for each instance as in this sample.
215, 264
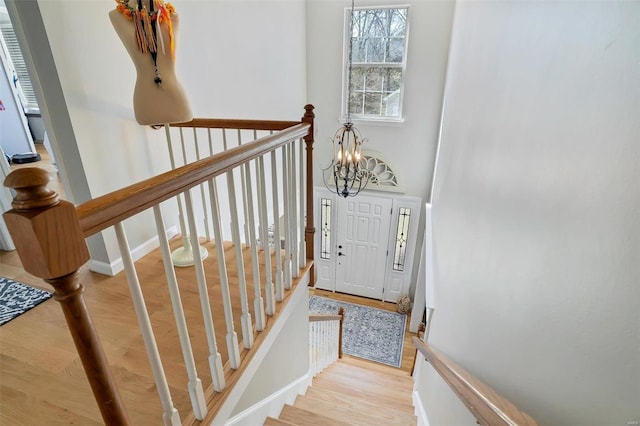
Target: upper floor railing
275, 181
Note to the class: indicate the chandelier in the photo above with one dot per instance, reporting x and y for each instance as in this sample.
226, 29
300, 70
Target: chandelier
348, 167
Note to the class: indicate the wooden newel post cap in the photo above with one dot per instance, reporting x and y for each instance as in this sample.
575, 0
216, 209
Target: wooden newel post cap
44, 229
31, 189
308, 110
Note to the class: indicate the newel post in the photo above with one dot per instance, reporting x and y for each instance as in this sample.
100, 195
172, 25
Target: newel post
310, 229
49, 241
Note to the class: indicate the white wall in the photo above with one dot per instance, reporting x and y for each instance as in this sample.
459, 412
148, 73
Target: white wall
537, 207
227, 53
441, 405
287, 360
409, 148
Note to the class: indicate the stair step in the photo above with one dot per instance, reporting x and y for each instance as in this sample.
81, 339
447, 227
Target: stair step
373, 366
397, 401
386, 414
299, 416
378, 385
383, 372
354, 415
366, 384
270, 421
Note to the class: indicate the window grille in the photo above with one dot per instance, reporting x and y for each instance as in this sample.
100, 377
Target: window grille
401, 238
325, 232
379, 44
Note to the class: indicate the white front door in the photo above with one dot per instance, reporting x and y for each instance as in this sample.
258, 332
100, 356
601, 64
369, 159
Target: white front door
362, 240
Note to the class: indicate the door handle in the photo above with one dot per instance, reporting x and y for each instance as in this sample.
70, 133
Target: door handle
340, 253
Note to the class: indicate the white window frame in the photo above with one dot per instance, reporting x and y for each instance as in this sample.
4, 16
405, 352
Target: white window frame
345, 69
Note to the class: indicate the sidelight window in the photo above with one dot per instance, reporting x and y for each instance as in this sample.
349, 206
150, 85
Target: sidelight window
325, 232
401, 239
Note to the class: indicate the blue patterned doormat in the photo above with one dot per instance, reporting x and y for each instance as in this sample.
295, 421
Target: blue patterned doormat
368, 333
17, 298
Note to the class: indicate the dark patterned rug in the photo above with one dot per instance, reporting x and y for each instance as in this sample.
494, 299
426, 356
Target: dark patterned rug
17, 298
368, 333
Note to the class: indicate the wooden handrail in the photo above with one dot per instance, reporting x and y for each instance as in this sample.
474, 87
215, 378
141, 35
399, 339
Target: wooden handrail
488, 407
318, 318
102, 212
233, 123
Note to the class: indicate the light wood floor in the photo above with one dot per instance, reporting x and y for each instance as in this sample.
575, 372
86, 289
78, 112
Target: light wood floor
350, 392
41, 377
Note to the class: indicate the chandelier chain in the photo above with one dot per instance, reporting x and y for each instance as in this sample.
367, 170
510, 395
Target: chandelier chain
350, 175
350, 62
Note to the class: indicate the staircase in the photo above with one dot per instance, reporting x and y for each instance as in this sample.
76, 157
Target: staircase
353, 392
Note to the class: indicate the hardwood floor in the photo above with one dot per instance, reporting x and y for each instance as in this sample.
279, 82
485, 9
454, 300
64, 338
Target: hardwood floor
39, 367
349, 392
41, 377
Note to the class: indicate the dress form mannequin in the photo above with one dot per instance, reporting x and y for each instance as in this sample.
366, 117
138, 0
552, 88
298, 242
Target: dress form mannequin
153, 103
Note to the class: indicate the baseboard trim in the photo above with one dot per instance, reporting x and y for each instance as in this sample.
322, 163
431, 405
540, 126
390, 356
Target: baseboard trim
137, 253
419, 410
272, 405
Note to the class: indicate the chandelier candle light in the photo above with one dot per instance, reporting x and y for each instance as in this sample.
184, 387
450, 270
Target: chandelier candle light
349, 175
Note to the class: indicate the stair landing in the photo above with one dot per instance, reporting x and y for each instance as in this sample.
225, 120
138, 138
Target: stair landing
353, 392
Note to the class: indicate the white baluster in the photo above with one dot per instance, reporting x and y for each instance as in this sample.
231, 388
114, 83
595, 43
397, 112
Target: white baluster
276, 228
320, 346
331, 340
258, 303
203, 251
170, 414
302, 250
205, 218
210, 141
314, 333
196, 392
215, 360
224, 139
325, 343
285, 221
245, 319
182, 256
293, 205
245, 201
319, 366
231, 337
264, 227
